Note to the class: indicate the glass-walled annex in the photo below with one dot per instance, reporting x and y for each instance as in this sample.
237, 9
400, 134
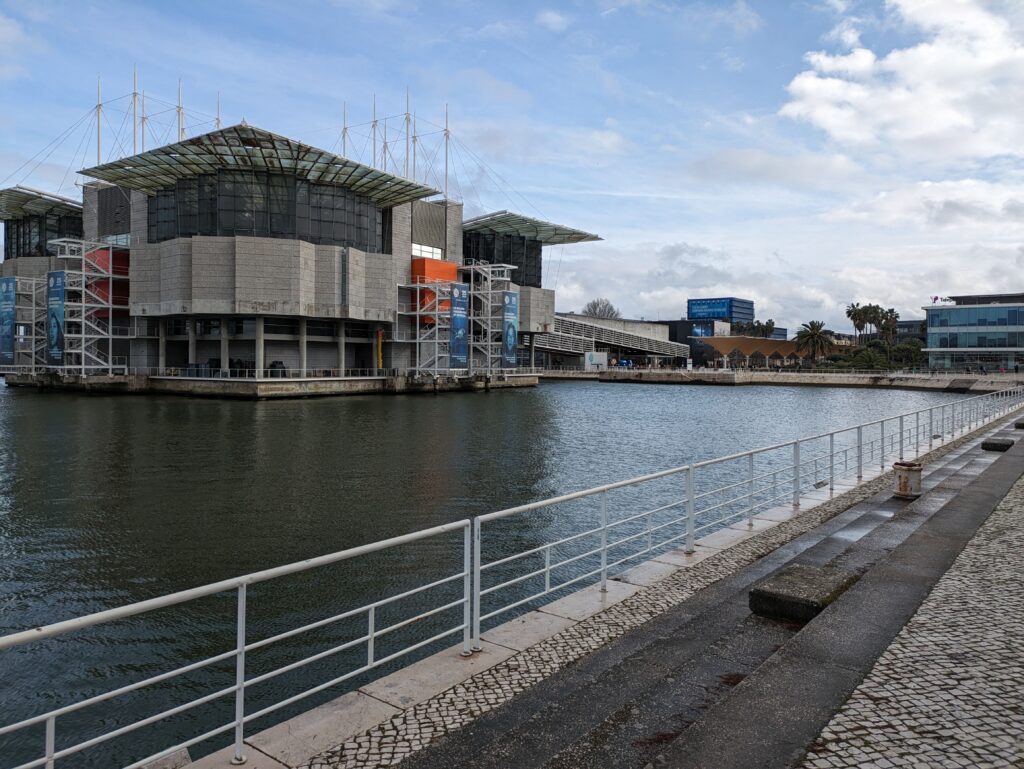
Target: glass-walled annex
32, 235
976, 337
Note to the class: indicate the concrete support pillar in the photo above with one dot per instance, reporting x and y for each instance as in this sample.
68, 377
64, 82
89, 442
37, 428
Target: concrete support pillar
533, 350
161, 360
259, 347
341, 348
302, 347
225, 347
191, 341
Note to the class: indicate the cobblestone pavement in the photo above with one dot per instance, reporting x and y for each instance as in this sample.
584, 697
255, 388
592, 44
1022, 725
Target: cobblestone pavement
414, 729
949, 690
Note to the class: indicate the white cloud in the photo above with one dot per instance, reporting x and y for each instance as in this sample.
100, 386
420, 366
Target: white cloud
995, 208
16, 45
553, 20
954, 96
759, 167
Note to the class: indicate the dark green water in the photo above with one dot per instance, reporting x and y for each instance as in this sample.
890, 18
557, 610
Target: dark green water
110, 500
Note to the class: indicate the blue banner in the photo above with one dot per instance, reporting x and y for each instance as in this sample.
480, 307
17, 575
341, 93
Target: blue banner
55, 318
510, 337
458, 345
8, 289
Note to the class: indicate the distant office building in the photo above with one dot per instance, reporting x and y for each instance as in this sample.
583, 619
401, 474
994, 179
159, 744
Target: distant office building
727, 308
780, 333
911, 329
977, 330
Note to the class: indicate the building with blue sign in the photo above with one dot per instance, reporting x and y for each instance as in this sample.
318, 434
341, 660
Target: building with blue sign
779, 333
976, 331
727, 308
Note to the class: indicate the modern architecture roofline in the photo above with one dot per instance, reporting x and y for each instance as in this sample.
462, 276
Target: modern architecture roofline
245, 147
19, 201
510, 223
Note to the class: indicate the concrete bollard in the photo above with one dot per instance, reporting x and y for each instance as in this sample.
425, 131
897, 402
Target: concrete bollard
908, 480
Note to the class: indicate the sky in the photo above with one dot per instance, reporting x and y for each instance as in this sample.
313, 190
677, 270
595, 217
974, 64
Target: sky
801, 153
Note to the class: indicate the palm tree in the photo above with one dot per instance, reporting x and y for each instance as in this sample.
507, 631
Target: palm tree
813, 340
856, 315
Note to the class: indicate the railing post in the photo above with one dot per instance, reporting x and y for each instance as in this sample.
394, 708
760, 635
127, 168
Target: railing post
371, 632
604, 541
750, 489
477, 571
467, 591
239, 756
902, 436
881, 449
860, 453
690, 504
51, 740
547, 569
796, 474
831, 461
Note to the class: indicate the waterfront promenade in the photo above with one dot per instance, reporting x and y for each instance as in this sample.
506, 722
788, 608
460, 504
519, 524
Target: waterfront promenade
918, 664
897, 380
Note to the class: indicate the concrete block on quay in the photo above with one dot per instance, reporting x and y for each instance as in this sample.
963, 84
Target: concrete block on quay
799, 593
997, 444
724, 538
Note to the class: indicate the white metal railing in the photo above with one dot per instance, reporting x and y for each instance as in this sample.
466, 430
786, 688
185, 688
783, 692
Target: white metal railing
678, 504
375, 630
608, 528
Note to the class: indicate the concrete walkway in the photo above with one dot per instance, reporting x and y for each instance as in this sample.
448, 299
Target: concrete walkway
949, 691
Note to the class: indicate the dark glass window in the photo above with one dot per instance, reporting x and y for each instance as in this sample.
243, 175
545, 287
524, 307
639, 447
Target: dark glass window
320, 328
187, 200
281, 326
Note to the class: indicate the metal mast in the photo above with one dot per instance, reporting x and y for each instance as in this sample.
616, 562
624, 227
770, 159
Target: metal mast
143, 124
135, 109
99, 123
344, 129
218, 110
181, 115
406, 173
373, 157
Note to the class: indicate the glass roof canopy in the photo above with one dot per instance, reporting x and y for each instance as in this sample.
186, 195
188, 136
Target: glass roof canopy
243, 147
508, 223
16, 202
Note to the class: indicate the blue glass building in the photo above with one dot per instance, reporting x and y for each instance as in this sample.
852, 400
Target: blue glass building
977, 331
727, 308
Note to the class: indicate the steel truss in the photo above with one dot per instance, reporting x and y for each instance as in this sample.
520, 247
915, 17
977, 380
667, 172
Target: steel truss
487, 285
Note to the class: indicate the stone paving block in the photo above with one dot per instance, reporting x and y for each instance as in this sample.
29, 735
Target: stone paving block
175, 760
681, 558
527, 630
726, 538
222, 760
646, 573
433, 675
589, 601
298, 739
758, 524
777, 514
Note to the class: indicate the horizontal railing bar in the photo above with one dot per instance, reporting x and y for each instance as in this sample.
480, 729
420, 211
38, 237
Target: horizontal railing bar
116, 692
133, 609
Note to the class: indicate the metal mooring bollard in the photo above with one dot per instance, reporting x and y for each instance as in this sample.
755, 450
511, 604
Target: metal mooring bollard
908, 479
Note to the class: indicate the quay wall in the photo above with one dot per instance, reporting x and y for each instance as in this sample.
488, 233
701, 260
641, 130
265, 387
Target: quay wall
253, 389
940, 382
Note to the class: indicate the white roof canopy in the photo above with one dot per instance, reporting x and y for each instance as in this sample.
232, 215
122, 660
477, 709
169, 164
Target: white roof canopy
16, 202
508, 223
243, 147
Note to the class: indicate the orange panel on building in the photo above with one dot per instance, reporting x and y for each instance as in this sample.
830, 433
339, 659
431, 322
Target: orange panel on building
433, 271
